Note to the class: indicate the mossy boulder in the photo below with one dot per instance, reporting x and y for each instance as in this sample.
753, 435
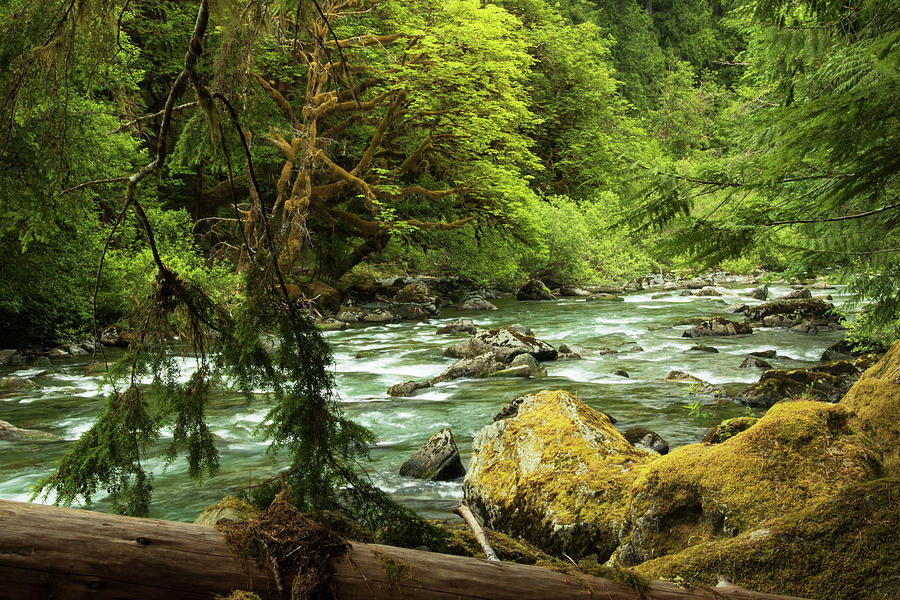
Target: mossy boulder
324, 295
875, 401
845, 546
534, 289
798, 453
416, 292
823, 382
556, 473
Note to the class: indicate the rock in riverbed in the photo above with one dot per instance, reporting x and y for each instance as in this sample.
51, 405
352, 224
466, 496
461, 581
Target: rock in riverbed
506, 344
437, 459
717, 326
798, 453
557, 473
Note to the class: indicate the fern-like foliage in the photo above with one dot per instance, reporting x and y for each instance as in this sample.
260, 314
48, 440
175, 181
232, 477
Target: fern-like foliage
813, 166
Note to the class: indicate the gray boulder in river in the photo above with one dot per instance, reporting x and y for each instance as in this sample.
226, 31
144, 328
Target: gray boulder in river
506, 344
437, 459
801, 314
534, 289
717, 326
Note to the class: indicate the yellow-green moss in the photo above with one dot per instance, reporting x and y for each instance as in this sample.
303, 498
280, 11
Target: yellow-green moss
845, 546
799, 452
557, 474
875, 401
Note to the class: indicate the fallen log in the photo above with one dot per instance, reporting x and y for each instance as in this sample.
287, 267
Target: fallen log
53, 552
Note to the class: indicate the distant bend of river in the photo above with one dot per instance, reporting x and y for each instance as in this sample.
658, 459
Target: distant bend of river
68, 400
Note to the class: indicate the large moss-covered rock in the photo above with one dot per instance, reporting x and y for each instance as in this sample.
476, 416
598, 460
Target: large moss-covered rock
875, 401
799, 452
823, 382
557, 474
845, 546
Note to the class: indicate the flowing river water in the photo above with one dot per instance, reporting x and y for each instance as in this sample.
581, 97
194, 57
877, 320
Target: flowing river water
369, 359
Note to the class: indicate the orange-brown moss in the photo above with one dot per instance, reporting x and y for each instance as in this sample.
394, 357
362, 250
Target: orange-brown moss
799, 452
875, 401
845, 546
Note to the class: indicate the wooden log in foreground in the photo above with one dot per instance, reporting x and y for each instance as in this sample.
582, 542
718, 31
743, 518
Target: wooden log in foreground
62, 553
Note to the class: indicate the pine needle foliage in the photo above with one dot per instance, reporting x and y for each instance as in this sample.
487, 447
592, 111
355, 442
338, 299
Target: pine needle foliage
812, 165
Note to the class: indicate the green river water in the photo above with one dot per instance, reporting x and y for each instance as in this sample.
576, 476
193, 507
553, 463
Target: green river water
68, 400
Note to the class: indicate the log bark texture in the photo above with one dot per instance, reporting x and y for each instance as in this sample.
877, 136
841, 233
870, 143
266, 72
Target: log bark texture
62, 553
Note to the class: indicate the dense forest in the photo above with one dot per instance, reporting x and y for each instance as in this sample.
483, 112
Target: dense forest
205, 171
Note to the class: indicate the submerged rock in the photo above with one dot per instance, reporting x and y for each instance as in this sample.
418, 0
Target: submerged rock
843, 546
524, 365
476, 302
702, 348
569, 291
475, 367
717, 326
437, 459
14, 385
557, 474
601, 297
646, 439
534, 289
754, 362
506, 344
798, 293
708, 290
458, 326
823, 382
11, 433
407, 388
760, 293
875, 402
798, 453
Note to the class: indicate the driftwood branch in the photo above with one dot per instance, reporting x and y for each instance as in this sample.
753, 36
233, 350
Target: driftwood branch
462, 509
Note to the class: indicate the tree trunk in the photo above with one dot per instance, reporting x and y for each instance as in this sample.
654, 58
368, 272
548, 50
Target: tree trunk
52, 552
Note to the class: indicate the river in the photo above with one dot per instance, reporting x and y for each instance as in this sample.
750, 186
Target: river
68, 400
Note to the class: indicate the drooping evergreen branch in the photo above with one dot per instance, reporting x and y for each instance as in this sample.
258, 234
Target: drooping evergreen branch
861, 215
